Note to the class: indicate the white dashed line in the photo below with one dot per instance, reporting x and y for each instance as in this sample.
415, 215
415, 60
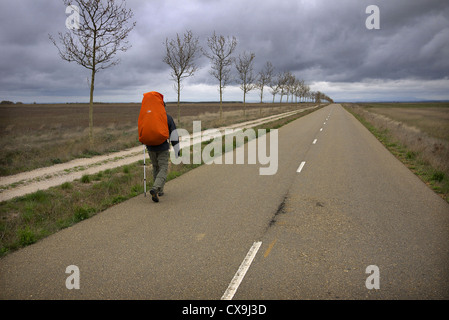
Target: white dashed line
301, 166
314, 141
240, 274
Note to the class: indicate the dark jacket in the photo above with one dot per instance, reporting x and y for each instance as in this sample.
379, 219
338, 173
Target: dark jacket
174, 139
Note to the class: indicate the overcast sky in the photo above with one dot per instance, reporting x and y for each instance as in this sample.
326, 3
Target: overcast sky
324, 42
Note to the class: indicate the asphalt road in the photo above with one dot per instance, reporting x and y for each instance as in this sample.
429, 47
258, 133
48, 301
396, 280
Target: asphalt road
338, 203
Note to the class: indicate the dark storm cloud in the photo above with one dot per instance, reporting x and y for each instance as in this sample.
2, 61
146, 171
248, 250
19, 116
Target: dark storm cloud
319, 41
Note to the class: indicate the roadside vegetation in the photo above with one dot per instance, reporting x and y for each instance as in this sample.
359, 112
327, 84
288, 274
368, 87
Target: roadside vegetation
27, 219
416, 133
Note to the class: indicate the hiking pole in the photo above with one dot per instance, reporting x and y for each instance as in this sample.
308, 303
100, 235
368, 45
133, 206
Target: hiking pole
144, 173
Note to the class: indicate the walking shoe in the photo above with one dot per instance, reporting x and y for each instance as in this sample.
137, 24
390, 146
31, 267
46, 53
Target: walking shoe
160, 193
154, 195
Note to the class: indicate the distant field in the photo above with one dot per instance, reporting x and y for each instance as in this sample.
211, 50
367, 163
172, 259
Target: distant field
431, 118
34, 136
22, 118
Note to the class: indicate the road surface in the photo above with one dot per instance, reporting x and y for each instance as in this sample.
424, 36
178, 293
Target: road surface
338, 204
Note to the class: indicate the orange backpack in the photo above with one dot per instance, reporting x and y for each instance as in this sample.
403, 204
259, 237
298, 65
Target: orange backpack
152, 123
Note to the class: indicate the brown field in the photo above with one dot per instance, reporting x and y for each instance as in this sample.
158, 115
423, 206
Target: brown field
430, 118
34, 136
423, 128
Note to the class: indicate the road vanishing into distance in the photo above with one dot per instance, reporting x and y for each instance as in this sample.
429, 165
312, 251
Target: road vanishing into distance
342, 218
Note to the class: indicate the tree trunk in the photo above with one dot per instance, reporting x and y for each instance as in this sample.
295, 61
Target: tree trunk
221, 97
244, 104
179, 97
91, 102
91, 110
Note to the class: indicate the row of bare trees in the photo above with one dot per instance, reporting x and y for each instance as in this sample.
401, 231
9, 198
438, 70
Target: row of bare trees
102, 30
287, 84
183, 51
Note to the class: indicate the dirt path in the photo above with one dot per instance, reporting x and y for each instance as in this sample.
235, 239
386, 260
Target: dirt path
44, 178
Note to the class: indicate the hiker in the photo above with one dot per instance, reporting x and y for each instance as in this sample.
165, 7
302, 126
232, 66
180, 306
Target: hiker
159, 156
156, 129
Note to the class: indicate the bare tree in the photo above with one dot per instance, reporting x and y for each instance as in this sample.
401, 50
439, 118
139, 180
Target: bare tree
244, 66
310, 95
265, 76
221, 49
180, 56
102, 32
305, 92
296, 89
283, 84
317, 96
300, 89
275, 86
290, 80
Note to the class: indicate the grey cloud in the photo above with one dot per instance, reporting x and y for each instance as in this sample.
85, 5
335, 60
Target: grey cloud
321, 40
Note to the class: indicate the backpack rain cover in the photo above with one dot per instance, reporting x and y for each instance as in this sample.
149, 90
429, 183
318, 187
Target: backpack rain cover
152, 123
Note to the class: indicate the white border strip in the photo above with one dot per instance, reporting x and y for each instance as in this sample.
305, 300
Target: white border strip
240, 274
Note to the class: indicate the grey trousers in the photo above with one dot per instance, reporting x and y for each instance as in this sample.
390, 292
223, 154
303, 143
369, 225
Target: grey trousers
159, 161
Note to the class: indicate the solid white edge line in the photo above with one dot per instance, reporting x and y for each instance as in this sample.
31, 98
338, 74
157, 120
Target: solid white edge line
240, 274
301, 166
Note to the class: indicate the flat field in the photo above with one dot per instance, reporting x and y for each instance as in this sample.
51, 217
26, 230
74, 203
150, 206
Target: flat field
430, 118
35, 136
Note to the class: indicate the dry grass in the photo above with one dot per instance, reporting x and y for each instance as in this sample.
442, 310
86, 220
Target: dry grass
35, 136
423, 130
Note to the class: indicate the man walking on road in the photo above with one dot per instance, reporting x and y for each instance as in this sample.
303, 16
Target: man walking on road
159, 156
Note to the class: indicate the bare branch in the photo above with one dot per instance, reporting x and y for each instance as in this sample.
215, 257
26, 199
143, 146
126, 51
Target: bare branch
103, 29
180, 56
221, 49
244, 66
220, 54
102, 33
265, 78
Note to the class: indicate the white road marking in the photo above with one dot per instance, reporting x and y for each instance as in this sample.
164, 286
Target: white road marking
240, 274
314, 141
301, 166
